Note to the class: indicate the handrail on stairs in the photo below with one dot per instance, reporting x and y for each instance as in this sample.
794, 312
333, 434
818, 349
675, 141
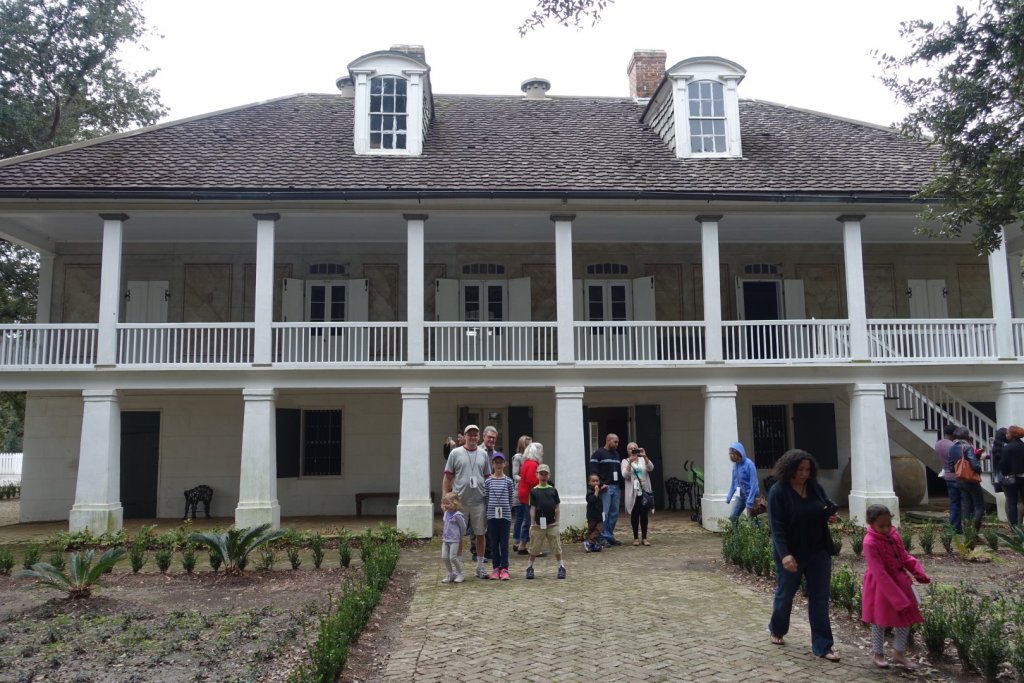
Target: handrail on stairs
936, 405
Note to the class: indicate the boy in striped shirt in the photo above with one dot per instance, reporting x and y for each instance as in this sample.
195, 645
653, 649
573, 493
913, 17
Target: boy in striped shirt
500, 494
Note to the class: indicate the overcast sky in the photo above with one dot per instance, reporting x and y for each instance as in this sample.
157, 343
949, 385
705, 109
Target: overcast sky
815, 54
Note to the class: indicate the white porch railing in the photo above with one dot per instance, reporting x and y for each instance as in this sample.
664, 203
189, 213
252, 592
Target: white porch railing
333, 343
10, 467
1018, 337
786, 340
932, 340
639, 342
184, 343
517, 343
47, 345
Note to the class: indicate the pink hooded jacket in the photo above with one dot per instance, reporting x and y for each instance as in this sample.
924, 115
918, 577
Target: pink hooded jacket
888, 596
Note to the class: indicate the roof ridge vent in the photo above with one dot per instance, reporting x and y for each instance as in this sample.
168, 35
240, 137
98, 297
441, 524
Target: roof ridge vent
536, 88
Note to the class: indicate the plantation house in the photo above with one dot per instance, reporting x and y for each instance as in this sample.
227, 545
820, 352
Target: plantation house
297, 301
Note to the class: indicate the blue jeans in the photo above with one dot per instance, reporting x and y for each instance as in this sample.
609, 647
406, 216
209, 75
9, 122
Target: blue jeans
739, 504
818, 569
610, 505
972, 500
497, 529
521, 528
955, 513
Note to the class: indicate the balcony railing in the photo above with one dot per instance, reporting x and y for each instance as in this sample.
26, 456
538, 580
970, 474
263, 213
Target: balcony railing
32, 346
339, 343
514, 343
185, 343
47, 345
786, 340
931, 340
639, 342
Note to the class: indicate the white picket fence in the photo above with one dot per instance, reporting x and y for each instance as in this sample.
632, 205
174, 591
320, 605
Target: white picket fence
10, 467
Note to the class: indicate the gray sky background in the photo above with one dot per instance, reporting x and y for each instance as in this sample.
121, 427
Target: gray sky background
814, 54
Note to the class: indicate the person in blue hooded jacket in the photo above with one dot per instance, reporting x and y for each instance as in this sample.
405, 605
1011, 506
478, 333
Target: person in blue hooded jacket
744, 482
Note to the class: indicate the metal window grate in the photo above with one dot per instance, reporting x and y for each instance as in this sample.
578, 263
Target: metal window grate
762, 269
607, 269
483, 269
321, 441
771, 434
328, 269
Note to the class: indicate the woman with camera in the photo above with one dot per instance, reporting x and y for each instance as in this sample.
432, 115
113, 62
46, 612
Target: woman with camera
636, 473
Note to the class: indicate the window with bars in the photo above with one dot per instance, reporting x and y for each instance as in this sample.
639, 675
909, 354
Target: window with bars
707, 117
388, 112
771, 434
483, 269
328, 269
321, 443
607, 269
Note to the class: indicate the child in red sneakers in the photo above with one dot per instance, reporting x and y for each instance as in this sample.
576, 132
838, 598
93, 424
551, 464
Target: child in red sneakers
500, 495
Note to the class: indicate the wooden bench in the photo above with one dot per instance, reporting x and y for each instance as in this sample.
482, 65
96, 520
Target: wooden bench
360, 497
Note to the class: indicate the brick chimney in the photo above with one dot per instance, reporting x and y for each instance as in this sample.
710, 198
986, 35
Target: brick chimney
646, 69
415, 51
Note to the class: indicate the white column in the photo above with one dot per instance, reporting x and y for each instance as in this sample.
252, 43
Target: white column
263, 314
563, 289
1002, 308
711, 277
720, 430
414, 298
856, 305
44, 297
870, 466
732, 104
569, 472
98, 489
414, 139
110, 288
1010, 403
361, 113
415, 510
257, 482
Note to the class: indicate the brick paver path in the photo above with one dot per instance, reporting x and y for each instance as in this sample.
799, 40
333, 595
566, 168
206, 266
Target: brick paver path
659, 613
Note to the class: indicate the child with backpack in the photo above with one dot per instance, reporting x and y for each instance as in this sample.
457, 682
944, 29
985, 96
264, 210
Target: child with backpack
888, 593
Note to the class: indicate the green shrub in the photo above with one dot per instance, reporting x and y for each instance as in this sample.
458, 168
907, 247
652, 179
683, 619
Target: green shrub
837, 540
946, 537
1015, 656
188, 558
936, 627
235, 545
857, 540
215, 560
293, 557
267, 558
1014, 540
146, 537
747, 544
366, 543
316, 544
970, 536
908, 539
964, 618
992, 539
345, 547
137, 556
33, 553
6, 562
928, 538
57, 560
163, 559
82, 573
989, 647
845, 590
573, 534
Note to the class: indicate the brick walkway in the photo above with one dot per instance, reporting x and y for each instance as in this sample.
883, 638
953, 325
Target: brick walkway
659, 613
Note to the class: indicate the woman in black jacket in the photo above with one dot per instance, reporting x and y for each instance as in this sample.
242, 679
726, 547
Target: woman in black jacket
1011, 469
799, 512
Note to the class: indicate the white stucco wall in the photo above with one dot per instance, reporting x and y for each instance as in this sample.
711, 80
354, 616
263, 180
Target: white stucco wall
53, 429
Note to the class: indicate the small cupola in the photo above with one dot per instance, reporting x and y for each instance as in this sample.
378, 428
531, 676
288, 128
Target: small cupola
536, 88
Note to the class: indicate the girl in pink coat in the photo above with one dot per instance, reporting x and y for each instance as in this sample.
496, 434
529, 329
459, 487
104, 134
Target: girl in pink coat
888, 593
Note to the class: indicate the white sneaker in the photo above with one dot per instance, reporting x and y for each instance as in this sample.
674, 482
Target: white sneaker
448, 578
459, 578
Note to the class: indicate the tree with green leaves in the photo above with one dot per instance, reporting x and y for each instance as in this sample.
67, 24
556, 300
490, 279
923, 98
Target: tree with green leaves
61, 81
963, 81
574, 13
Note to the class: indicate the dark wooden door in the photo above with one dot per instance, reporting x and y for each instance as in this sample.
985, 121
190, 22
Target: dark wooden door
140, 461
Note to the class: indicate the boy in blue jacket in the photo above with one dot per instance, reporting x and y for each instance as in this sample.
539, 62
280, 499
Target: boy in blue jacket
744, 482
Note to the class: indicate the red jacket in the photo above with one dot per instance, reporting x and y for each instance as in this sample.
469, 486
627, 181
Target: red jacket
888, 596
527, 480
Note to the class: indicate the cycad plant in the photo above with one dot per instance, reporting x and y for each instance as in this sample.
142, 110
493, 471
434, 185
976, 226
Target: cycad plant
81, 576
233, 546
1015, 539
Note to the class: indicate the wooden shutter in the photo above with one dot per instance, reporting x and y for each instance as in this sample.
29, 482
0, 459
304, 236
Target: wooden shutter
293, 300
648, 436
446, 300
289, 445
643, 298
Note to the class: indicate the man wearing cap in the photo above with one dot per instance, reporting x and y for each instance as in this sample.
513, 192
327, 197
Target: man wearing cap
465, 472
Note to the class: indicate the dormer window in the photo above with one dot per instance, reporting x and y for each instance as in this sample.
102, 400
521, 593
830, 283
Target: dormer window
388, 113
696, 108
707, 117
392, 104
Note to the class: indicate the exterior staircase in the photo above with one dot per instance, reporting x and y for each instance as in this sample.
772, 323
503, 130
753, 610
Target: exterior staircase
917, 413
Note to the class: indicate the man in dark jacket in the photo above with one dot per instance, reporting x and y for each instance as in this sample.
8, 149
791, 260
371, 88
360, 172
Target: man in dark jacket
605, 463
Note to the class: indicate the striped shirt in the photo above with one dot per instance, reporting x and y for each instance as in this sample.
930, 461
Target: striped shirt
500, 494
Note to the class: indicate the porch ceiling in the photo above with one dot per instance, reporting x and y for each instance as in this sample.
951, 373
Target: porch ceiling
44, 229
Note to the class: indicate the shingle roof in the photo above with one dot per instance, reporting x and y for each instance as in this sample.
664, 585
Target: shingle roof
481, 144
